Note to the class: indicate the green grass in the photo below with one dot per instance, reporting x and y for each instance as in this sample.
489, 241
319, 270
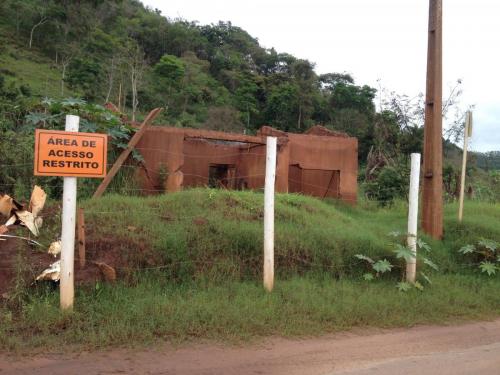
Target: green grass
31, 68
190, 268
154, 311
217, 234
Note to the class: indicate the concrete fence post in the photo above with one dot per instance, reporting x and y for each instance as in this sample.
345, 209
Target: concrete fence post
68, 230
411, 266
269, 213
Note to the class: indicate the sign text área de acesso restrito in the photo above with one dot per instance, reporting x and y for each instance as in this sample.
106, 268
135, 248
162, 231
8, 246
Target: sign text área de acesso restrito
60, 153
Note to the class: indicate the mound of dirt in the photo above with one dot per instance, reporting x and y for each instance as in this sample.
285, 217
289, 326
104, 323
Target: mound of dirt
16, 256
19, 258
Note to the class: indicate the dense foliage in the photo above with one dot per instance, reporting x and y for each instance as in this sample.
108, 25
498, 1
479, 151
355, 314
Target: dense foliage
211, 76
16, 153
189, 266
122, 52
489, 160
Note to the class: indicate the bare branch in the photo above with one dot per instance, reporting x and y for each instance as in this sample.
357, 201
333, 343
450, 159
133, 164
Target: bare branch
43, 20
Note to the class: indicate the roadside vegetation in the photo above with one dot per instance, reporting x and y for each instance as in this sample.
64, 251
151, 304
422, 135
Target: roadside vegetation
189, 264
189, 268
155, 311
67, 57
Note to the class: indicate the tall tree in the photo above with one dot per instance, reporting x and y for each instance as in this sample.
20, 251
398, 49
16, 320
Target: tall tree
306, 79
136, 62
41, 17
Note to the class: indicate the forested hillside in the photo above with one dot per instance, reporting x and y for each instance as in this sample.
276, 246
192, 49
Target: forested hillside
215, 76
489, 160
208, 76
135, 57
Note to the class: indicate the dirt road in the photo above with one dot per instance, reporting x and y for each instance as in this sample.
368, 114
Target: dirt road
464, 349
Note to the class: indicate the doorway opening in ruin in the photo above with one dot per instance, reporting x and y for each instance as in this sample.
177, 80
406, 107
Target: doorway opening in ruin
316, 182
222, 176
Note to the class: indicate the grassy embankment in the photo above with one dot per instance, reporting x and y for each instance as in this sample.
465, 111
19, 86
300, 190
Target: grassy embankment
202, 250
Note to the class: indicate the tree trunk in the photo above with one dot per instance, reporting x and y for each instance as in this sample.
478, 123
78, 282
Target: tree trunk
300, 117
186, 99
248, 117
134, 93
63, 75
137, 64
120, 97
135, 76
41, 22
111, 79
18, 23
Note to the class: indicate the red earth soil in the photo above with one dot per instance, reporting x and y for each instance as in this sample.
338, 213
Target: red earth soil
464, 349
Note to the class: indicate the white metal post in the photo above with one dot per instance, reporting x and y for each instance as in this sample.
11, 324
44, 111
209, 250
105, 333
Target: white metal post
411, 266
68, 230
269, 213
467, 134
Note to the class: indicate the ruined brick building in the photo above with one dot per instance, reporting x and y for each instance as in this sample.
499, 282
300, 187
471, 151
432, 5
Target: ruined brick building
319, 162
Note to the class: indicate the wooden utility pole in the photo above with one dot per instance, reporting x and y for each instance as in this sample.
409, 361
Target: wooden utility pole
432, 199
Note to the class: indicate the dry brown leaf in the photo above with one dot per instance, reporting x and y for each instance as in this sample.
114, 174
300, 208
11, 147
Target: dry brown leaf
11, 221
108, 271
6, 205
55, 248
53, 273
28, 220
37, 201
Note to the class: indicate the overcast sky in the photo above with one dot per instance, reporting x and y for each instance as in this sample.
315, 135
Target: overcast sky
376, 39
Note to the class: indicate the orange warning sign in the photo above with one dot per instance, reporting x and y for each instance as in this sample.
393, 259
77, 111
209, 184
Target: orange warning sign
70, 154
